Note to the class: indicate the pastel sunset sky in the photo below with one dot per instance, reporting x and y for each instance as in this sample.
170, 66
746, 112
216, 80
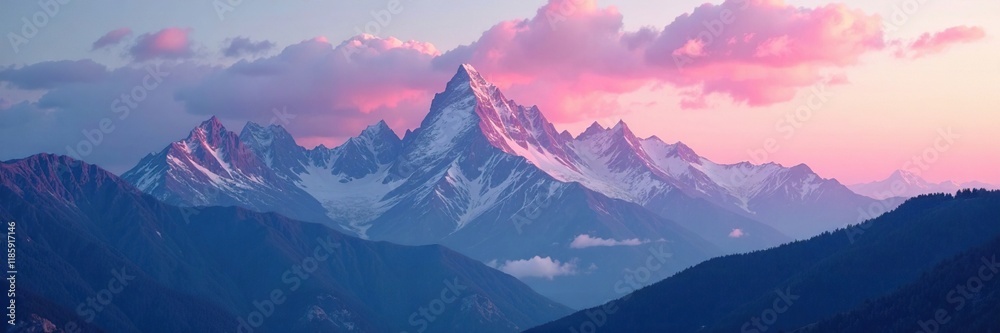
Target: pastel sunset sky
855, 89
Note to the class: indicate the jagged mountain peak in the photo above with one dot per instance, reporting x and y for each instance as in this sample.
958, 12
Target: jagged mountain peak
622, 129
218, 153
684, 152
594, 129
374, 137
255, 127
209, 131
468, 77
472, 110
380, 129
213, 122
620, 133
257, 134
802, 168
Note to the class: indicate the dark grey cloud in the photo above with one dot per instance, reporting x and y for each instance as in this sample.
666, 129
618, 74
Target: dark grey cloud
113, 37
332, 89
113, 117
113, 120
50, 74
241, 46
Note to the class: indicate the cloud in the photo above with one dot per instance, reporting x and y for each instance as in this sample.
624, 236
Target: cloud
760, 52
543, 267
333, 90
585, 241
736, 233
51, 74
72, 106
241, 46
929, 43
169, 43
573, 58
113, 37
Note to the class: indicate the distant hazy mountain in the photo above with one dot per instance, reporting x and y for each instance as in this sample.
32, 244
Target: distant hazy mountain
214, 269
795, 285
907, 184
494, 180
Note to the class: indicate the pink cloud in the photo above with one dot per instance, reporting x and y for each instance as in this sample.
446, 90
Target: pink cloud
760, 52
332, 89
169, 43
929, 43
736, 233
52, 74
574, 58
113, 37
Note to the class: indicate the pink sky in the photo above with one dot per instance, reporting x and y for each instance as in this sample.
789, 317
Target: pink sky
725, 78
854, 88
880, 113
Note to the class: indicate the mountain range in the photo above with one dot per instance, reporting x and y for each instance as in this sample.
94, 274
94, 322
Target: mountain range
906, 184
496, 181
484, 218
97, 254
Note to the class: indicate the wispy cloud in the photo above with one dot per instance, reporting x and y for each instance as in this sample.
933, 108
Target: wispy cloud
929, 43
584, 241
113, 37
542, 267
241, 46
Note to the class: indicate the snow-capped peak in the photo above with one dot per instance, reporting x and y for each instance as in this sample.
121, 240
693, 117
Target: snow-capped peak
907, 177
209, 132
686, 153
259, 136
594, 129
380, 129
